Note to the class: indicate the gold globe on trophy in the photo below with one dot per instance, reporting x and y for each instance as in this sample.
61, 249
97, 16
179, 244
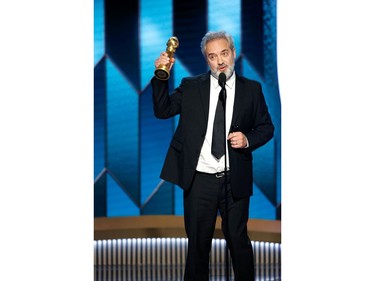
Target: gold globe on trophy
162, 71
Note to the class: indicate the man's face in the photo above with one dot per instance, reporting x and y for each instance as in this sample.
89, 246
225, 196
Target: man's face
220, 57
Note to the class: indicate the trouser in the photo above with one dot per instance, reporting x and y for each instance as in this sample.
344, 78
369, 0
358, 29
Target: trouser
201, 203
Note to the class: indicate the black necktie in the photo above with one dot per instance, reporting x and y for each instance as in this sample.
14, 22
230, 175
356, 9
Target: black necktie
218, 135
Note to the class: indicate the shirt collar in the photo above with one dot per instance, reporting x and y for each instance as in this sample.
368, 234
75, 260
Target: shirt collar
229, 83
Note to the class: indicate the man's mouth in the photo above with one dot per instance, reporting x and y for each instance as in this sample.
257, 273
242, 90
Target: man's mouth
222, 68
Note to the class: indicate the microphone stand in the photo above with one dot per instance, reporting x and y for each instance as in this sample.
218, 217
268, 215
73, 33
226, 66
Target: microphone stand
224, 96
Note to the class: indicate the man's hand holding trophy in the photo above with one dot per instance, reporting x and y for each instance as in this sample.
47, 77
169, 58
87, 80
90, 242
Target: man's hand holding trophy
164, 63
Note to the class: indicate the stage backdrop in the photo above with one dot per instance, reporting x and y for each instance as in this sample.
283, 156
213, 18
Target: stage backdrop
130, 143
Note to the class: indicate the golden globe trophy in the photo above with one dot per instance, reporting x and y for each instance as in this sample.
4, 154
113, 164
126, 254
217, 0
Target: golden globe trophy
162, 71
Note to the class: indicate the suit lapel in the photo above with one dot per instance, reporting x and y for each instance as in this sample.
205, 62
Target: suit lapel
239, 92
204, 90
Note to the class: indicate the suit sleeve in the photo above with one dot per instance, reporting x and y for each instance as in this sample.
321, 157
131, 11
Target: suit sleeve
165, 105
263, 129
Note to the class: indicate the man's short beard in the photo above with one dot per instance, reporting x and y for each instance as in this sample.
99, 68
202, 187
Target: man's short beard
228, 72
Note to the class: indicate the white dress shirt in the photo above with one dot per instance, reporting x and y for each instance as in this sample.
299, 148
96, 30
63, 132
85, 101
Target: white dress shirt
207, 163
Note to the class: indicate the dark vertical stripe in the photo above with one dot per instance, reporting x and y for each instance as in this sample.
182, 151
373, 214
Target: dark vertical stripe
100, 120
252, 32
190, 25
100, 197
122, 37
100, 132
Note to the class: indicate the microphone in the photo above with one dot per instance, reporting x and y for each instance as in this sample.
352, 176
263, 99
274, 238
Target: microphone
222, 79
223, 92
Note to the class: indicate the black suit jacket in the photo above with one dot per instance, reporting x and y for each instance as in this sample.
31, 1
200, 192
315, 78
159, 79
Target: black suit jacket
191, 101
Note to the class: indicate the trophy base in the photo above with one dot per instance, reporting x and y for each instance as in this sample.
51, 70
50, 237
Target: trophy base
162, 73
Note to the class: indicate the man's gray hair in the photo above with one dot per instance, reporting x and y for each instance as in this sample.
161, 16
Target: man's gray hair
215, 35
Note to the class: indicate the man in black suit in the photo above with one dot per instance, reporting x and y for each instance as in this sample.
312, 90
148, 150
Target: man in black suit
190, 164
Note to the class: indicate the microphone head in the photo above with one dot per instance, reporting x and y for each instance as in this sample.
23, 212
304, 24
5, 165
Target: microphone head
222, 79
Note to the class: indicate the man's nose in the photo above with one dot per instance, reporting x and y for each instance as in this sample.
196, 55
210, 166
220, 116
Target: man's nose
219, 60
